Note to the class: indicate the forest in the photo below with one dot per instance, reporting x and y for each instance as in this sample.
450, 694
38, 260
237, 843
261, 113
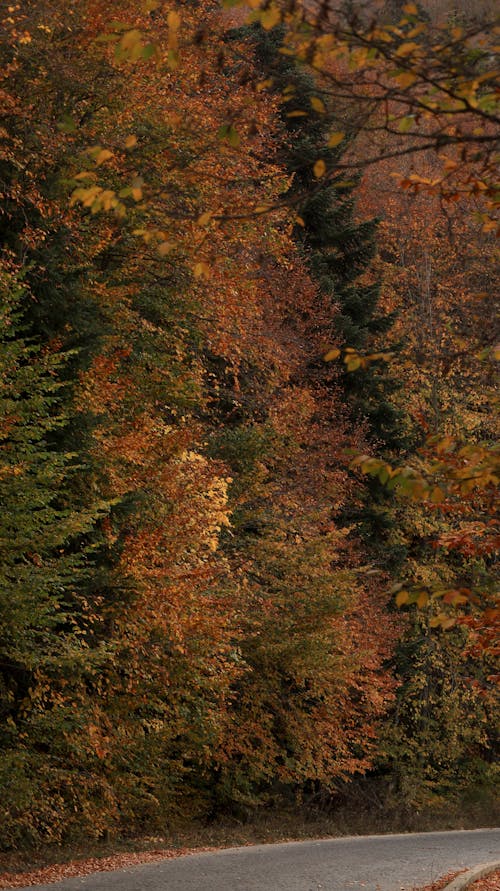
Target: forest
248, 453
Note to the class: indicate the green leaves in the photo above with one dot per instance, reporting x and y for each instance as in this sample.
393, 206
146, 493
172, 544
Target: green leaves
131, 45
67, 124
228, 133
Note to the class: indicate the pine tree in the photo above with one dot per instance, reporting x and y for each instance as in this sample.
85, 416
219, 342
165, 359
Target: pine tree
50, 647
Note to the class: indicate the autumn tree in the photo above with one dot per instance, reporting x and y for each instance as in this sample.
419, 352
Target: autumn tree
128, 392
439, 281
409, 81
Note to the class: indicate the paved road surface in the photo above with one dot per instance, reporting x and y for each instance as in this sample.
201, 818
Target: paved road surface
369, 863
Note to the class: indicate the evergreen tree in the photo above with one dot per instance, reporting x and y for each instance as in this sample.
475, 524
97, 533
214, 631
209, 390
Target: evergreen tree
49, 649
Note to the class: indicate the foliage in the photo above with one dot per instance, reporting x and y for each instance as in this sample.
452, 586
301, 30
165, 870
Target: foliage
191, 618
50, 647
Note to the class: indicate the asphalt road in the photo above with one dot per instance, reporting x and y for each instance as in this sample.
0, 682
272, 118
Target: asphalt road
367, 863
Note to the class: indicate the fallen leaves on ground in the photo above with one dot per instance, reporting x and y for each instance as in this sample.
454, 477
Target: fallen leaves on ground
94, 864
490, 882
487, 883
441, 883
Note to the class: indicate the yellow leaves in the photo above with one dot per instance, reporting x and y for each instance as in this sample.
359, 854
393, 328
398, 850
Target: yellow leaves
382, 35
174, 23
165, 247
407, 49
456, 597
401, 598
85, 196
406, 123
360, 57
405, 78
130, 142
158, 238
410, 9
335, 139
136, 188
97, 199
352, 363
86, 174
444, 445
422, 599
130, 39
104, 155
205, 218
99, 154
270, 17
437, 495
319, 169
442, 621
418, 29
332, 354
173, 59
201, 270
130, 46
318, 104
353, 359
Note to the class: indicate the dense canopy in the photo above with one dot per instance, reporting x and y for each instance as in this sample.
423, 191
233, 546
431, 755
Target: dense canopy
247, 356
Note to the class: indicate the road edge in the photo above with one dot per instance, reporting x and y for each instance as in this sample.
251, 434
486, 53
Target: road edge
472, 875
